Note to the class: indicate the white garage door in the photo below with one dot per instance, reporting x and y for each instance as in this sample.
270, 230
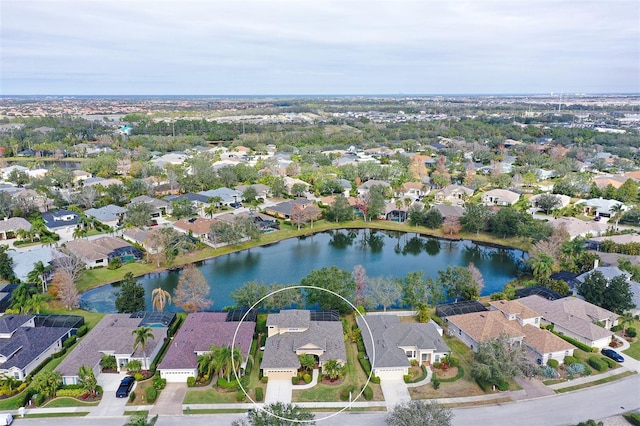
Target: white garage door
390, 373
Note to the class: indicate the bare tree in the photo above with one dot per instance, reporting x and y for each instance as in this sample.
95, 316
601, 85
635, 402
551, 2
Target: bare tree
192, 290
70, 264
451, 225
360, 276
298, 216
87, 196
313, 213
476, 275
66, 289
383, 291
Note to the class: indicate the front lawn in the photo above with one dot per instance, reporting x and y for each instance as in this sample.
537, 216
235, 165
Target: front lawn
69, 402
634, 350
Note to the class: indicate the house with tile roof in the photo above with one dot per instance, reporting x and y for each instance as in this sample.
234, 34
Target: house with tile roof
9, 227
575, 318
113, 336
293, 332
24, 346
395, 344
518, 322
98, 252
199, 332
454, 194
199, 227
500, 197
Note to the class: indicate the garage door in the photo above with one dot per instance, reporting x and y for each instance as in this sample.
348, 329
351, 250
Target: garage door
391, 373
280, 375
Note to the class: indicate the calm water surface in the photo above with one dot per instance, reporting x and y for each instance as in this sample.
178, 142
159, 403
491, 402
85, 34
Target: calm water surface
382, 253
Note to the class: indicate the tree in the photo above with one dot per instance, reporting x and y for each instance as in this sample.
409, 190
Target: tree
159, 299
617, 210
625, 320
360, 276
307, 361
138, 215
282, 299
414, 291
298, 189
88, 379
6, 269
168, 243
40, 274
476, 275
248, 294
458, 283
312, 213
475, 218
451, 225
182, 207
548, 202
340, 210
226, 360
298, 216
142, 334
278, 414
278, 188
46, 383
416, 214
618, 296
21, 295
71, 264
130, 296
332, 369
141, 419
432, 218
542, 265
66, 289
334, 279
383, 291
498, 360
419, 413
593, 288
192, 290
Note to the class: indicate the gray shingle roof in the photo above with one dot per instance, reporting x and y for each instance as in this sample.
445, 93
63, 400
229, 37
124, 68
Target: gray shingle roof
27, 343
389, 334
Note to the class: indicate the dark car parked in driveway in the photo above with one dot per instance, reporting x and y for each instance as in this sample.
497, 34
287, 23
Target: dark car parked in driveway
125, 387
612, 354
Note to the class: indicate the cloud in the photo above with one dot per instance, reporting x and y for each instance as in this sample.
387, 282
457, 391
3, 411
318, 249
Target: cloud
347, 46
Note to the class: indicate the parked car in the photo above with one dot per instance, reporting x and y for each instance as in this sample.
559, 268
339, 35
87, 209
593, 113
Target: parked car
613, 355
236, 205
597, 218
125, 387
6, 419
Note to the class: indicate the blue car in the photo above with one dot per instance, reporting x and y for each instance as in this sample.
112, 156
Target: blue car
612, 354
125, 387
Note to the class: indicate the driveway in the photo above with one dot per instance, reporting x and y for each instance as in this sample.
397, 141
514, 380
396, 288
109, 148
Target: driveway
109, 404
395, 391
169, 403
279, 388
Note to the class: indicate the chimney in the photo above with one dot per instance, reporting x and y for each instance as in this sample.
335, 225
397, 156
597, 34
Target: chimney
596, 263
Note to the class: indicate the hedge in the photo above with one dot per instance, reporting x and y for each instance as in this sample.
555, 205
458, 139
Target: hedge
344, 393
574, 342
553, 363
568, 360
611, 363
259, 394
132, 396
82, 330
151, 394
73, 393
367, 393
456, 377
366, 366
598, 363
69, 342
633, 418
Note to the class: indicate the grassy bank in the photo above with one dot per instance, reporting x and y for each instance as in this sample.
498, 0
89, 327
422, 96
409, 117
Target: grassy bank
101, 276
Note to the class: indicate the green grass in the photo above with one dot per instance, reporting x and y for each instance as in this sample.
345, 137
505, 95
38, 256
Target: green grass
69, 402
45, 415
596, 382
634, 350
210, 396
214, 411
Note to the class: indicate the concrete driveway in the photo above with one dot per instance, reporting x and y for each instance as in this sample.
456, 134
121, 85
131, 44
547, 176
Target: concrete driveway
395, 391
279, 388
109, 404
169, 403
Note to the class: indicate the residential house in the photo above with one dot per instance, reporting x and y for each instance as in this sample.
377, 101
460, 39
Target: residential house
159, 208
395, 344
578, 227
80, 175
603, 181
594, 243
23, 261
563, 201
199, 227
93, 181
514, 320
449, 211
113, 335
296, 332
283, 210
454, 194
29, 197
366, 186
60, 221
110, 215
199, 332
500, 197
412, 190
600, 207
24, 346
227, 196
262, 191
99, 252
575, 318
198, 201
10, 227
610, 272
139, 236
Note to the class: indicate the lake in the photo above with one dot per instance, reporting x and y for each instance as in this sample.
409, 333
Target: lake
382, 253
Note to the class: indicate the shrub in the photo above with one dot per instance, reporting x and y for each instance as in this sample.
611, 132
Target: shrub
407, 378
598, 363
631, 332
575, 368
240, 396
70, 341
259, 394
295, 380
365, 364
553, 363
39, 400
159, 383
73, 393
616, 328
548, 372
375, 379
224, 384
151, 394
114, 263
249, 367
82, 331
633, 418
453, 362
264, 379
132, 396
414, 362
503, 386
568, 360
611, 363
435, 382
344, 393
367, 393
307, 378
191, 381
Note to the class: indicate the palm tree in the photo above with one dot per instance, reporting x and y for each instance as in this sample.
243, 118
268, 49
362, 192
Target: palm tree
542, 266
616, 209
332, 369
40, 274
625, 320
34, 304
88, 379
226, 360
159, 298
143, 334
21, 295
79, 232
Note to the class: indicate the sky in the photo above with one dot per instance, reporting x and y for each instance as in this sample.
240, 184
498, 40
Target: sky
318, 47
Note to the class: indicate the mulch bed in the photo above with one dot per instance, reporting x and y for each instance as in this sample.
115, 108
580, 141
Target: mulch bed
446, 374
336, 382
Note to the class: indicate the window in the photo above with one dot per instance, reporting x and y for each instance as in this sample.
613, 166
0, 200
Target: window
537, 320
459, 332
409, 354
437, 358
424, 357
